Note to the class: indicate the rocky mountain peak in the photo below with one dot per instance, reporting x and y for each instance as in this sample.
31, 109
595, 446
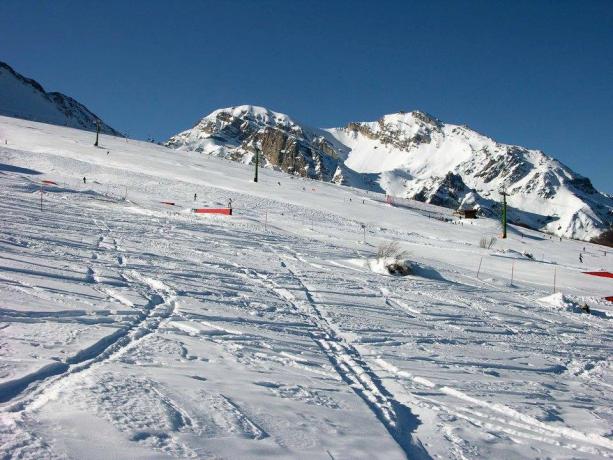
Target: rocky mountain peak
401, 130
411, 118
283, 143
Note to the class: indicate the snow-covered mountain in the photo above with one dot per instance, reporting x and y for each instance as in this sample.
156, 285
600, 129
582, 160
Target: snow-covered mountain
23, 97
235, 133
413, 155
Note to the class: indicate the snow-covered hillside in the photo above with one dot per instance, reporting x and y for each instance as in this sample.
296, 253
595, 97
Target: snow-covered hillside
134, 329
413, 155
25, 98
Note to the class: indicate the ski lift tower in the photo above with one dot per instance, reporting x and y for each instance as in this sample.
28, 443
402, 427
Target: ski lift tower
504, 213
257, 160
97, 132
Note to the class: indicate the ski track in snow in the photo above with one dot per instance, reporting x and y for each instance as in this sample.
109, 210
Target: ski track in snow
351, 368
219, 338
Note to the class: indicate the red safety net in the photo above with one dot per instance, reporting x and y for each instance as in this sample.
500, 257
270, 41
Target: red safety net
226, 211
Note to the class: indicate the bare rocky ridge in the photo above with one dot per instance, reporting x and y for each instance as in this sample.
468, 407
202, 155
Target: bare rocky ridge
412, 155
236, 134
23, 97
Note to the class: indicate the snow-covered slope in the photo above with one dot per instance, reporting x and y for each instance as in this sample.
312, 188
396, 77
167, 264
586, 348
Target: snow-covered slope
413, 155
25, 98
135, 329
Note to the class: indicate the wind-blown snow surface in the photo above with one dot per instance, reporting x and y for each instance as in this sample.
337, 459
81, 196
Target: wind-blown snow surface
133, 330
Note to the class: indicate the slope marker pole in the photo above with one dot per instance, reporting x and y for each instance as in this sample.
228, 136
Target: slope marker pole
554, 279
479, 269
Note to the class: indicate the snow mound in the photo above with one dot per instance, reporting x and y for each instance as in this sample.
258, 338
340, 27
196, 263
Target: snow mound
513, 254
395, 267
559, 301
390, 266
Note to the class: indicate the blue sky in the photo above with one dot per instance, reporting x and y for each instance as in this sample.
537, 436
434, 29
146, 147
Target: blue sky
533, 73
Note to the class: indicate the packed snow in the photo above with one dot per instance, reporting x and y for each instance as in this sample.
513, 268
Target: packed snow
135, 329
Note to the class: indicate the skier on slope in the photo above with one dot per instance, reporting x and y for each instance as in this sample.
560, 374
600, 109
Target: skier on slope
84, 180
580, 258
195, 196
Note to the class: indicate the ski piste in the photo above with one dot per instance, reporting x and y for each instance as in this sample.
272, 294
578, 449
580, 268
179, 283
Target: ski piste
136, 329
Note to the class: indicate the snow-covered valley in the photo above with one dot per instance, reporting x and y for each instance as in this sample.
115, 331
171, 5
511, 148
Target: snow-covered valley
134, 329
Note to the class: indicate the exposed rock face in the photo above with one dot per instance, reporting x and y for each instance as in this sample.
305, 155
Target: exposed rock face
23, 97
413, 155
390, 131
447, 191
284, 144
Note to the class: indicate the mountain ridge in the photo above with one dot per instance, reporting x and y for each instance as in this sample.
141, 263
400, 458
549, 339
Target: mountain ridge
412, 155
24, 97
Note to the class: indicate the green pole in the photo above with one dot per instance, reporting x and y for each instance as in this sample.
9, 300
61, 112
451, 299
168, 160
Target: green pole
504, 215
97, 132
257, 160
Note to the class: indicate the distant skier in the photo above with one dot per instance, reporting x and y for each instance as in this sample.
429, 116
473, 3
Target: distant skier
195, 196
580, 258
84, 180
230, 203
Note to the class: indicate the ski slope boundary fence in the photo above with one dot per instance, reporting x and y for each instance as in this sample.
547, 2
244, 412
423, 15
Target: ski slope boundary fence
225, 211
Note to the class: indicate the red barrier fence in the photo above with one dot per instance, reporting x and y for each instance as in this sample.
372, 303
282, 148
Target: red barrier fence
603, 274
49, 182
170, 203
226, 211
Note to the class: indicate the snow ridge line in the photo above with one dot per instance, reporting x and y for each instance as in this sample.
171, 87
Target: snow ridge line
160, 306
398, 419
